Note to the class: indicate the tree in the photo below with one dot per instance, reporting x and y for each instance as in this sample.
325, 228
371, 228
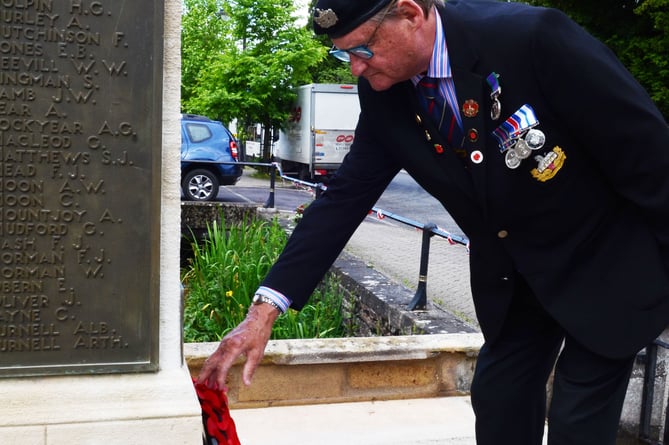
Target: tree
203, 35
252, 73
330, 70
636, 30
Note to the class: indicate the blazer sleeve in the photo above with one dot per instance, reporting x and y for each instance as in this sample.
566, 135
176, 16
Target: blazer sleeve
331, 219
624, 133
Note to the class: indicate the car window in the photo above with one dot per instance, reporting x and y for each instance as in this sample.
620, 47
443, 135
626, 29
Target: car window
198, 132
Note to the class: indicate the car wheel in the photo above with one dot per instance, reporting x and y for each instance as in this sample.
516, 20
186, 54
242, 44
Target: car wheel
200, 185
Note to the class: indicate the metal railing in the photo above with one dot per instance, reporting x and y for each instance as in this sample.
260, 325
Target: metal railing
649, 360
419, 301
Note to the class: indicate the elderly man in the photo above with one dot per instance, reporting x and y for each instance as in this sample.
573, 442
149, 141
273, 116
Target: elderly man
550, 157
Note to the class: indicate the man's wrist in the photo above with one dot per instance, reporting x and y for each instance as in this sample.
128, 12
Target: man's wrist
275, 296
264, 299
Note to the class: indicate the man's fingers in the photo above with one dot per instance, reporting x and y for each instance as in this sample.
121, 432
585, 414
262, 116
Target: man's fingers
215, 369
248, 338
253, 359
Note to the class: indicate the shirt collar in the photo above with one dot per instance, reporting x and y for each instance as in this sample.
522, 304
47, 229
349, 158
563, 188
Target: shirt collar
440, 65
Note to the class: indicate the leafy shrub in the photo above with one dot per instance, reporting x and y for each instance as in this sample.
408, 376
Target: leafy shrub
224, 273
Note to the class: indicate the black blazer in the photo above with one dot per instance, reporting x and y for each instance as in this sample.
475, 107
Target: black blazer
591, 239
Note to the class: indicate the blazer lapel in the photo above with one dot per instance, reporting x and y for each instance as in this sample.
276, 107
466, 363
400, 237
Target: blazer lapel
470, 90
473, 96
443, 153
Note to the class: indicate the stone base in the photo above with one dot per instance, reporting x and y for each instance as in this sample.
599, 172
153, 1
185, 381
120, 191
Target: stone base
354, 369
124, 409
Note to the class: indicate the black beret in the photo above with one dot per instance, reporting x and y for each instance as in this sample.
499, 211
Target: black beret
339, 17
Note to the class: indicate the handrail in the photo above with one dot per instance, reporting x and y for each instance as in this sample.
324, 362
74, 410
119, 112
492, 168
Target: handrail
419, 301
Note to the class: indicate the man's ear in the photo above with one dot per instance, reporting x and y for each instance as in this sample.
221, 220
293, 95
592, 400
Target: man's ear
410, 10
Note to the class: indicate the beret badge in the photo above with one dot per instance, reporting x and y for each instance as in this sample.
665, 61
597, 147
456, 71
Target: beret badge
325, 18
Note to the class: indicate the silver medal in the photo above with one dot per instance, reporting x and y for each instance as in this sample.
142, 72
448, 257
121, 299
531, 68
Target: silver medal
535, 139
496, 109
511, 158
522, 149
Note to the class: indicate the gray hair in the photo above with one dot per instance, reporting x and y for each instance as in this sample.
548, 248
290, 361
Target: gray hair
391, 9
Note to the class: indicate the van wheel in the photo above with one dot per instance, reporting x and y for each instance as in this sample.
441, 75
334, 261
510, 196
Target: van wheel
200, 185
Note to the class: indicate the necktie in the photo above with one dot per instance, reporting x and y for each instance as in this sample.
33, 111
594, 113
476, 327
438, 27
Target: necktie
439, 110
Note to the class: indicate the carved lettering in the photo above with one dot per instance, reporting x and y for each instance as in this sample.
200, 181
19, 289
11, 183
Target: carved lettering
75, 143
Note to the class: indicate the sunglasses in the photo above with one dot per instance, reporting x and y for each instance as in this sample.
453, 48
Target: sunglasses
360, 51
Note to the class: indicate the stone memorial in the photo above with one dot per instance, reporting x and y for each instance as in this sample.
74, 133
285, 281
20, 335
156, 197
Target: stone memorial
89, 291
80, 103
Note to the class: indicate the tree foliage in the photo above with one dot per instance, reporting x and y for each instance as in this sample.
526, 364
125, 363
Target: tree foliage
636, 30
330, 70
249, 73
203, 35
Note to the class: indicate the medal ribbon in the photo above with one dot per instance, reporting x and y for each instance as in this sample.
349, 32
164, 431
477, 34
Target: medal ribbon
511, 129
493, 81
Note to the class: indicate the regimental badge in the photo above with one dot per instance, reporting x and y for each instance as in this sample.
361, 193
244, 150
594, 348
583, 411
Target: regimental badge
549, 165
470, 108
325, 18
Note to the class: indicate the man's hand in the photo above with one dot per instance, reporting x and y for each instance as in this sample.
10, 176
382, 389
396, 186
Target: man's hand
249, 338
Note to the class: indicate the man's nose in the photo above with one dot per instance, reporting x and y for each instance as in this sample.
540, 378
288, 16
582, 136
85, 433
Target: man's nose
358, 66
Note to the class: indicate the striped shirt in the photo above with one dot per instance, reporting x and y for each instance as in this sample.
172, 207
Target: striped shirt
440, 68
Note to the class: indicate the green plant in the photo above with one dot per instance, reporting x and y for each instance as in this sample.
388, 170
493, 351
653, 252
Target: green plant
225, 271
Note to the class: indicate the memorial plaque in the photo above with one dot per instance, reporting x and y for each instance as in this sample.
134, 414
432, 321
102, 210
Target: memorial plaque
80, 154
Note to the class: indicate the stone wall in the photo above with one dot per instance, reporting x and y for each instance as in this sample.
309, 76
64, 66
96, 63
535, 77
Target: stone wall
299, 372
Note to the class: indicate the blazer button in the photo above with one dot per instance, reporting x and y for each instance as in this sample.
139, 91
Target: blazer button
502, 234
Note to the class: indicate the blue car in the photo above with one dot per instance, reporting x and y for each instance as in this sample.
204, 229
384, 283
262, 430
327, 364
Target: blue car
208, 158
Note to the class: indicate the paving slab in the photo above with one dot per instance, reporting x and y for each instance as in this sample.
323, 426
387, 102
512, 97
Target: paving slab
446, 420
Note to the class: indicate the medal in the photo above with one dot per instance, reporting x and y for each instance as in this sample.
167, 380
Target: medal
535, 139
496, 90
515, 126
522, 149
512, 160
495, 109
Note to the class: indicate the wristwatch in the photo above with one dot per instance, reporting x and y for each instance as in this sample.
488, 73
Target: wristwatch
260, 299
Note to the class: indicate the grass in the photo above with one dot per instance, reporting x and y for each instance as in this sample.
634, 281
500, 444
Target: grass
224, 273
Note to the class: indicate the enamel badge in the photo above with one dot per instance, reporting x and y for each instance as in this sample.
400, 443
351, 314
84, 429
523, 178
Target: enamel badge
470, 108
